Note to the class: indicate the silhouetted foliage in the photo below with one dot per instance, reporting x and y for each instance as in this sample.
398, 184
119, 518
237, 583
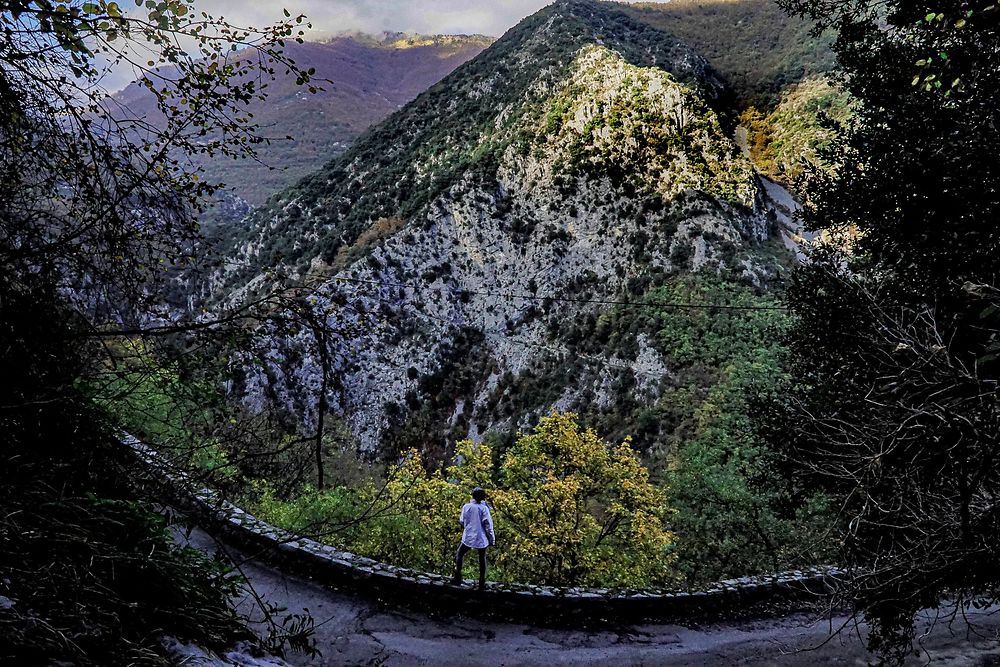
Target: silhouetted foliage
894, 405
93, 207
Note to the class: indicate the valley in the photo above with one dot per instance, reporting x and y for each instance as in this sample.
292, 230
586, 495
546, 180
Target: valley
364, 79
564, 225
689, 311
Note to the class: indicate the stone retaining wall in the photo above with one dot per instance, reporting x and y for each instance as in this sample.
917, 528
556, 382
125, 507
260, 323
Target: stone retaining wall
433, 593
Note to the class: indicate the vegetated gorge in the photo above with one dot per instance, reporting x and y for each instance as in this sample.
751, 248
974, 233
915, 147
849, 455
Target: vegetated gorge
568, 266
555, 274
564, 226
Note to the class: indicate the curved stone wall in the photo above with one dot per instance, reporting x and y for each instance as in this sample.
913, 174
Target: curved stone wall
433, 593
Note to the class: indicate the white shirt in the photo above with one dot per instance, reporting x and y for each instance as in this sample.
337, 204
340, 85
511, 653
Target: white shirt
478, 525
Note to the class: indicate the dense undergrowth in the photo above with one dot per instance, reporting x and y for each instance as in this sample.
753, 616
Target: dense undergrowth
689, 494
91, 573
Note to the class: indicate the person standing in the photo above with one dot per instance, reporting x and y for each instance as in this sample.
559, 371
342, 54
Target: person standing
477, 534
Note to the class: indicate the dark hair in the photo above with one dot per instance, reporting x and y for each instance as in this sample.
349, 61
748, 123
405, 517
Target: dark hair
478, 495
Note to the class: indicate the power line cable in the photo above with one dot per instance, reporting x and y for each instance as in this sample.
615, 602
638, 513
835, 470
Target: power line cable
535, 297
506, 337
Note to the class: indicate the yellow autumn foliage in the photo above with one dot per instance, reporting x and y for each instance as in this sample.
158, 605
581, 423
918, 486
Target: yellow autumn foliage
575, 510
568, 508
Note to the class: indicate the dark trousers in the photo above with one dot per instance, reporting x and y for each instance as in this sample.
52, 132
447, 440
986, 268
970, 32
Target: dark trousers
460, 556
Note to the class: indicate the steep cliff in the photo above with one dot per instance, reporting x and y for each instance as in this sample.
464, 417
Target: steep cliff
479, 236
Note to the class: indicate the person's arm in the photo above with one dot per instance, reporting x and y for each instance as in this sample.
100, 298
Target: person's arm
488, 525
461, 518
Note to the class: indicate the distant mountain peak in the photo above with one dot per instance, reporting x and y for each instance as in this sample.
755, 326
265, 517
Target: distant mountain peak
408, 40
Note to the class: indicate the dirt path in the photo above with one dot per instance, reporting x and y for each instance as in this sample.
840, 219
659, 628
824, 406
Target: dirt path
358, 631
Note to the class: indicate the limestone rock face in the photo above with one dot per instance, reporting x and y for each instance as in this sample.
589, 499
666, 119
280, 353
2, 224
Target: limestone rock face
575, 164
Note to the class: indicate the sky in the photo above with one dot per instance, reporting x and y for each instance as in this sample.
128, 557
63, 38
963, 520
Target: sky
330, 17
487, 17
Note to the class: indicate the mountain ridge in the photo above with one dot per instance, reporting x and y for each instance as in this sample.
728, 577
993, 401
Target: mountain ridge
578, 160
562, 25
364, 80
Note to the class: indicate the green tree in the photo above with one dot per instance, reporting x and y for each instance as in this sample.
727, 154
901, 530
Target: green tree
569, 510
893, 404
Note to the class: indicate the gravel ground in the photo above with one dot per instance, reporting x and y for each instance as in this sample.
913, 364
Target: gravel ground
352, 630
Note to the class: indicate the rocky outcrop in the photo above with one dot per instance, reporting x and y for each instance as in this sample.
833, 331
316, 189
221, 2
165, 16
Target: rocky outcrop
576, 180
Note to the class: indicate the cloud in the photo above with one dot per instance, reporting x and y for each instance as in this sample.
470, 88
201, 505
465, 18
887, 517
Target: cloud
489, 17
330, 17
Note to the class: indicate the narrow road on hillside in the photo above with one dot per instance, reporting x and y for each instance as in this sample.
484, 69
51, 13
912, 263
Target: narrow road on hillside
784, 207
351, 630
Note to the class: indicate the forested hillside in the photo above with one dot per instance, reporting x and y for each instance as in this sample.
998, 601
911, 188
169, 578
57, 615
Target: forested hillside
363, 79
795, 138
564, 223
780, 71
757, 46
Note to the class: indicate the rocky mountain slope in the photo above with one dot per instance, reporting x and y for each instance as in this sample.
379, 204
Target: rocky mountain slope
493, 236
369, 77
